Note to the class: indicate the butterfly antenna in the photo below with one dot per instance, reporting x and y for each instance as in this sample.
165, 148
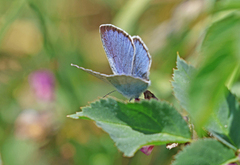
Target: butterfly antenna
109, 93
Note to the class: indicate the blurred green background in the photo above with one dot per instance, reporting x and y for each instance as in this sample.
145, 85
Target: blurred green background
38, 42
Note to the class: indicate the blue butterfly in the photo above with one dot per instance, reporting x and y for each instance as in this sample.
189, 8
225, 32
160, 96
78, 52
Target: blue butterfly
129, 60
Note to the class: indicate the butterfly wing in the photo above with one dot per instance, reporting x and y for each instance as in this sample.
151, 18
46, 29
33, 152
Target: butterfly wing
119, 48
142, 59
96, 74
129, 60
128, 86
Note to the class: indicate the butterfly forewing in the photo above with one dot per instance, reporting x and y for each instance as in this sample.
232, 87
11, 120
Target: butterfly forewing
94, 73
119, 49
142, 59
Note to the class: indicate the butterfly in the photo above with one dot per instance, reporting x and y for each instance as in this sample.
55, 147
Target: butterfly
129, 60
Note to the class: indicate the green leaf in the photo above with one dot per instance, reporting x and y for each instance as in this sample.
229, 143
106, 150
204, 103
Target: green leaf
75, 116
225, 122
221, 56
182, 77
205, 152
134, 125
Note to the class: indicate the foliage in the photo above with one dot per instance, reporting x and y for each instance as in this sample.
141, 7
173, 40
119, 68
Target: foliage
133, 125
200, 116
129, 124
212, 151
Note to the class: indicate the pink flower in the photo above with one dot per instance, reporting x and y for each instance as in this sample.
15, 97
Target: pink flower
147, 149
43, 83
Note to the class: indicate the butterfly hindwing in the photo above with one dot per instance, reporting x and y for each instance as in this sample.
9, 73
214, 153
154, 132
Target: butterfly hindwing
119, 49
142, 59
128, 86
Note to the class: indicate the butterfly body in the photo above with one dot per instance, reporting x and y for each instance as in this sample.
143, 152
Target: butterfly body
129, 60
